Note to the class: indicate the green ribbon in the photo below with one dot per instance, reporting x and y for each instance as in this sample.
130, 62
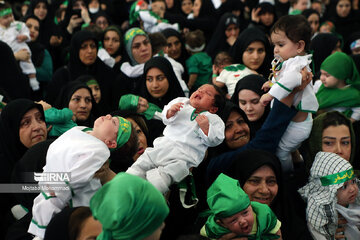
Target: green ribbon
5, 12
124, 132
92, 82
337, 178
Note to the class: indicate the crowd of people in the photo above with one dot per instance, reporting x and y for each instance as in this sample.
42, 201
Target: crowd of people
180, 119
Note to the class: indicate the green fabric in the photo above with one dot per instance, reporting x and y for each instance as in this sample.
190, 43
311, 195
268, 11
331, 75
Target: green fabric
337, 178
235, 68
92, 82
295, 12
225, 198
45, 71
342, 66
128, 207
5, 12
200, 64
313, 144
128, 102
338, 97
149, 113
60, 120
2, 105
133, 13
124, 132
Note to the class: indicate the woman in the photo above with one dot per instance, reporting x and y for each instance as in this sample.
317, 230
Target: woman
313, 17
176, 46
331, 132
252, 48
247, 96
323, 45
102, 20
22, 125
112, 43
263, 17
83, 60
118, 211
260, 175
138, 48
77, 96
225, 35
39, 55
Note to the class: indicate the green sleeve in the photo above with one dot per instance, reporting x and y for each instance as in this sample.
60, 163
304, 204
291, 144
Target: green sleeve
45, 71
56, 116
192, 65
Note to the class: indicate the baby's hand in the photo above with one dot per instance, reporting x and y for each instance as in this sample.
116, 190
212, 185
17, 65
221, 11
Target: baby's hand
266, 86
44, 104
21, 38
203, 122
265, 99
142, 106
174, 109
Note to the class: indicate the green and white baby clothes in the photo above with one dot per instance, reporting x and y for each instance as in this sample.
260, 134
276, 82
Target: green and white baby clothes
183, 146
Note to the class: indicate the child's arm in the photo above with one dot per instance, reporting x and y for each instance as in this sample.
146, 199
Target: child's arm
174, 109
212, 129
146, 17
192, 80
24, 33
203, 123
265, 99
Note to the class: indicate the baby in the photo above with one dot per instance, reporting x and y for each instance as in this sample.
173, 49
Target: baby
153, 20
332, 195
15, 33
191, 127
231, 212
82, 153
140, 105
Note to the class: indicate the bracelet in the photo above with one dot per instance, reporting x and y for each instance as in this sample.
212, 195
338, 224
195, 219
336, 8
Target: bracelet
214, 75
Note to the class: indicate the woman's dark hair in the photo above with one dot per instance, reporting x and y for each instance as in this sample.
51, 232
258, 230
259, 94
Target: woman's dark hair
296, 28
77, 220
335, 119
308, 12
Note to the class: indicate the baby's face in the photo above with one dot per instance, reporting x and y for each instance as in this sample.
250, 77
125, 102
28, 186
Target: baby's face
203, 98
158, 8
144, 5
348, 192
6, 20
240, 223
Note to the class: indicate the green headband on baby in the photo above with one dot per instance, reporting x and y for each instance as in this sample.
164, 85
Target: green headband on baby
123, 133
92, 82
5, 12
129, 102
337, 178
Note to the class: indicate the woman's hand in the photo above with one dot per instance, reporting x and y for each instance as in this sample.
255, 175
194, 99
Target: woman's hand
55, 40
22, 55
142, 106
305, 80
21, 38
255, 15
85, 15
75, 21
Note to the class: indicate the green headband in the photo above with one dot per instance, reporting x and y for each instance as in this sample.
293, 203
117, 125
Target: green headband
92, 82
124, 132
129, 102
5, 12
132, 33
337, 178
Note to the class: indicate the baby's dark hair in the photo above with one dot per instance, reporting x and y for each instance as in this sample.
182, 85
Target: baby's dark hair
223, 58
158, 41
335, 119
195, 39
219, 98
296, 28
4, 5
76, 221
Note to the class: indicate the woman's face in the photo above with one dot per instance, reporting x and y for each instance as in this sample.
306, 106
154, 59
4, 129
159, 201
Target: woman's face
90, 229
40, 10
32, 128
262, 185
314, 21
102, 22
111, 42
237, 132
196, 8
267, 18
34, 27
142, 141
249, 102
254, 55
343, 8
337, 139
96, 92
80, 104
156, 83
232, 30
141, 49
186, 6
174, 47
88, 52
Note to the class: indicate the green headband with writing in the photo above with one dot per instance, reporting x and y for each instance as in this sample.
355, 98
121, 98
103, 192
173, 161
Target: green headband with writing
92, 82
123, 133
5, 12
337, 178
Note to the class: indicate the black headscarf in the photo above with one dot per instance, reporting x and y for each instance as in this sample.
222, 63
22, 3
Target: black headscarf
254, 83
174, 90
169, 32
37, 49
64, 98
322, 45
218, 41
247, 37
58, 228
